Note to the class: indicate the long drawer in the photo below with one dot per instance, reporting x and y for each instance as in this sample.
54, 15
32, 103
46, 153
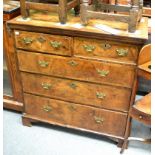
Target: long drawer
102, 49
115, 98
80, 116
54, 44
75, 68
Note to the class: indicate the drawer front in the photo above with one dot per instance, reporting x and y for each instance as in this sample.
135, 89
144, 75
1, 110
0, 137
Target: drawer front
115, 98
101, 49
75, 68
80, 116
54, 44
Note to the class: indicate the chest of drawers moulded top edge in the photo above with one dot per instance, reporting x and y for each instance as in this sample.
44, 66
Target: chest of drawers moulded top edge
39, 22
36, 34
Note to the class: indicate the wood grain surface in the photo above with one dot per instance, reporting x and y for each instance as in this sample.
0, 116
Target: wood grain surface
76, 115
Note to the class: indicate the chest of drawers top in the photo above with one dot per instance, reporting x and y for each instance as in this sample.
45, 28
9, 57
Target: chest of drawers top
49, 23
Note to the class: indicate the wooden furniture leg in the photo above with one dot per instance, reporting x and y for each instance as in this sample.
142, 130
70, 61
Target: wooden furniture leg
128, 127
77, 8
83, 12
24, 12
62, 11
127, 133
26, 121
120, 143
133, 20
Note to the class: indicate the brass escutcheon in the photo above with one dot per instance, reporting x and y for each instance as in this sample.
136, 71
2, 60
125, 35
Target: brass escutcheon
106, 46
73, 85
41, 39
72, 107
72, 63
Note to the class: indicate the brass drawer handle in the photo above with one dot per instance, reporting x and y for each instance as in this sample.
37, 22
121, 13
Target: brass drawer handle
55, 44
46, 86
73, 85
47, 108
43, 63
100, 95
89, 48
41, 39
106, 46
122, 52
27, 41
102, 73
72, 107
72, 63
98, 120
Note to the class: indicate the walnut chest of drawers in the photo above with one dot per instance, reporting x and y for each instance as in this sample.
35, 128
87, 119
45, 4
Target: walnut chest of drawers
76, 77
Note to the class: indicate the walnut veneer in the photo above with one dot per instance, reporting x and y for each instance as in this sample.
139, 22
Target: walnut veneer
77, 77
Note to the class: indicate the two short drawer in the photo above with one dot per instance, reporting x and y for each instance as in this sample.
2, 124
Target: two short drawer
78, 69
97, 95
74, 115
67, 46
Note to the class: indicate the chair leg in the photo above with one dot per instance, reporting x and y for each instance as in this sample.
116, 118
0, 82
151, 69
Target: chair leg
62, 11
77, 8
133, 20
23, 10
83, 13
